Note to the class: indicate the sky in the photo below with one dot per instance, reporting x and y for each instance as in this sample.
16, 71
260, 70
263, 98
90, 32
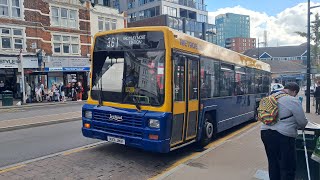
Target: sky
280, 18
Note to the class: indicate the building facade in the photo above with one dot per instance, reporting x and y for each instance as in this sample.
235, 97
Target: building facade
240, 44
231, 25
190, 17
54, 38
287, 62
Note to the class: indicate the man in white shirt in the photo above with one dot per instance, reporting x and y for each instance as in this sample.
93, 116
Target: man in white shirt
38, 92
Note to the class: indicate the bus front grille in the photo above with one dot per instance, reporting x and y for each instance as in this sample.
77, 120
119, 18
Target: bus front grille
118, 131
126, 119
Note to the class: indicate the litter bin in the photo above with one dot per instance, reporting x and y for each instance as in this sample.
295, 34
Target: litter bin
312, 132
7, 98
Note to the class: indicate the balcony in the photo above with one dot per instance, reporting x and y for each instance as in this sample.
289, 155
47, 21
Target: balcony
190, 3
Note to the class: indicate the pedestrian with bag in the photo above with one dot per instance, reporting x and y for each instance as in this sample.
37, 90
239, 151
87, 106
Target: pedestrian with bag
282, 115
317, 96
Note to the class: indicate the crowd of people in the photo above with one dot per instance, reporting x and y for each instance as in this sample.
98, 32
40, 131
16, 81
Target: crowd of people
57, 92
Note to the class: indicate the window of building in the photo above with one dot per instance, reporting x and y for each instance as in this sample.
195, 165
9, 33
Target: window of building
141, 14
151, 12
202, 18
64, 17
66, 45
114, 24
106, 24
10, 8
104, 2
142, 2
170, 11
11, 38
132, 17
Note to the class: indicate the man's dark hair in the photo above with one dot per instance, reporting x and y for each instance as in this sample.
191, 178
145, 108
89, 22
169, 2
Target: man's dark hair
292, 86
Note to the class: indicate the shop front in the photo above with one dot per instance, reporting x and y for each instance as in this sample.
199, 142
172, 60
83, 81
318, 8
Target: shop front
69, 71
10, 74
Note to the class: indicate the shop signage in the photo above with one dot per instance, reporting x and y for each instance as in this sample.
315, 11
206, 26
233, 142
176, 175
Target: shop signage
68, 64
12, 62
76, 69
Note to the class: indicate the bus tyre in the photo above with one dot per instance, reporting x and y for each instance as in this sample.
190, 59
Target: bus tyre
207, 132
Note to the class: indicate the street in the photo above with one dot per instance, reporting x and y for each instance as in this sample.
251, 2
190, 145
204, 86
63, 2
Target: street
25, 144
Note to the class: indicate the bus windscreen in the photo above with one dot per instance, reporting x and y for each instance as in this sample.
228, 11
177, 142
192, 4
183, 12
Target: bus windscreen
124, 74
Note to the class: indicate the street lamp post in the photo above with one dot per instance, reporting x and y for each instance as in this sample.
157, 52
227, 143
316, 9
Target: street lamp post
308, 59
259, 48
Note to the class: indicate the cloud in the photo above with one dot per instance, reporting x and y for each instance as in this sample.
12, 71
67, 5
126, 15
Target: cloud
280, 28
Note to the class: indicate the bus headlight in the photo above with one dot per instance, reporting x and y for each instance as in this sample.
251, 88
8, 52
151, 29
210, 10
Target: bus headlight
88, 114
154, 123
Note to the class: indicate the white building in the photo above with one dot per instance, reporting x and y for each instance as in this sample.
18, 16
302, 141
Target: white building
104, 18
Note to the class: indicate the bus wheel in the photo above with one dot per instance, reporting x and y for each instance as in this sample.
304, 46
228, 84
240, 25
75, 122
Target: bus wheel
207, 132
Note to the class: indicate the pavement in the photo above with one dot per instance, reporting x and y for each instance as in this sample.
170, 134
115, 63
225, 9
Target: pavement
34, 104
240, 157
28, 121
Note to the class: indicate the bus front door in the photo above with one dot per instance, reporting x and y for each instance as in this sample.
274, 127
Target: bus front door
185, 99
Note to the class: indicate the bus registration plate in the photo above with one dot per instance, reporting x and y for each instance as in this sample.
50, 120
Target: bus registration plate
116, 140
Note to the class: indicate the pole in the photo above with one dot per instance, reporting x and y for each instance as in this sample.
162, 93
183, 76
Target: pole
308, 62
258, 49
22, 76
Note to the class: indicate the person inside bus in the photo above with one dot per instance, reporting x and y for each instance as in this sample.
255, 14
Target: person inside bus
131, 79
204, 89
279, 139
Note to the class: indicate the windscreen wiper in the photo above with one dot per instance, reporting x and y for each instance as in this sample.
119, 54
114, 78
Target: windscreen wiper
137, 103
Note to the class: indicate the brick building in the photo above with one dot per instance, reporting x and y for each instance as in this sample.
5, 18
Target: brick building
239, 44
54, 37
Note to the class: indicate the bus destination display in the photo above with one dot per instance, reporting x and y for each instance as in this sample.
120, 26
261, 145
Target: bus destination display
132, 40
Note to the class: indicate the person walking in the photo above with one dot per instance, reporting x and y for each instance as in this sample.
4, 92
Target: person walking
79, 90
317, 96
279, 139
2, 85
28, 93
62, 92
38, 92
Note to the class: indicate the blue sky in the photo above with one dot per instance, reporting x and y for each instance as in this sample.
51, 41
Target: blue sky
280, 19
271, 7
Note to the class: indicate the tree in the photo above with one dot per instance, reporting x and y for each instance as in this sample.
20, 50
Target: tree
315, 38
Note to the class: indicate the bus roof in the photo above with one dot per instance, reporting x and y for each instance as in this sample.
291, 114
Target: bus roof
184, 42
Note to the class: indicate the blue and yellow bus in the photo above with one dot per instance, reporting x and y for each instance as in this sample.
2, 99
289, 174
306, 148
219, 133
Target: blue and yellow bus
158, 89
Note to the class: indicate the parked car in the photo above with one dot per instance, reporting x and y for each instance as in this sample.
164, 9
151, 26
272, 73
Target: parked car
275, 87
